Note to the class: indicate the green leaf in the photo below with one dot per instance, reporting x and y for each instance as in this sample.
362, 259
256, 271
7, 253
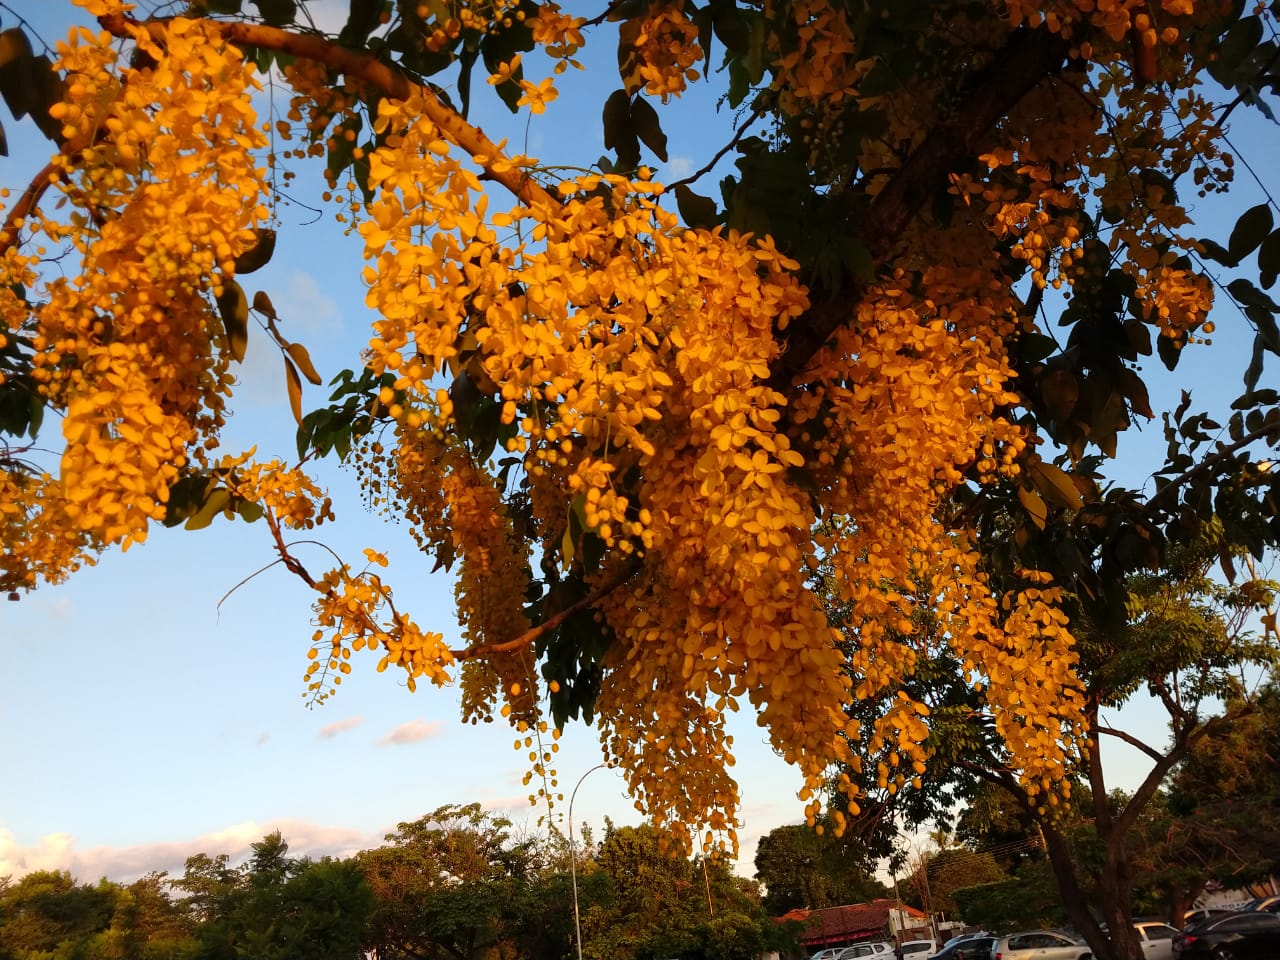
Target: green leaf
1269, 260
249, 511
1236, 46
233, 306
1265, 322
1216, 251
731, 27
277, 13
618, 133
16, 57
697, 211
216, 502
644, 121
1249, 232
257, 256
1169, 351
1249, 295
1254, 370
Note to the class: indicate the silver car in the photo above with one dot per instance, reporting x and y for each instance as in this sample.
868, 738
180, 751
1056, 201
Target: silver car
875, 951
1039, 945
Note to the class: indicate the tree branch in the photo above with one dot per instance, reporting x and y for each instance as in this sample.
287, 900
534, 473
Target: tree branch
389, 80
553, 621
1132, 741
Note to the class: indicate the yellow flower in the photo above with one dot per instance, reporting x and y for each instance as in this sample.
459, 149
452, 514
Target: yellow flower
505, 71
537, 97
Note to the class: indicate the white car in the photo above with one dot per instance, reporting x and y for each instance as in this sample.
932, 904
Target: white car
1039, 945
858, 951
918, 949
1157, 939
827, 953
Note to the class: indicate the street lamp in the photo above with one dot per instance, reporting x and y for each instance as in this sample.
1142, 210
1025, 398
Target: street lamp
573, 857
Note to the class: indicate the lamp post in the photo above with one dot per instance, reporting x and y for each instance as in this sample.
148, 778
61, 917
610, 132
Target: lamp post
573, 858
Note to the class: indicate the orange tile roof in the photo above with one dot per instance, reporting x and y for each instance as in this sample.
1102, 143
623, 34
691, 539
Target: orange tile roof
855, 921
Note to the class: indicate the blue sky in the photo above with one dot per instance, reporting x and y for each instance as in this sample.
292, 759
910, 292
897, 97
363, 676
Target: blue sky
142, 721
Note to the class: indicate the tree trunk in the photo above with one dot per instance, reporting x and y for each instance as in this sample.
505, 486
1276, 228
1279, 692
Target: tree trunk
1073, 899
1115, 896
1181, 897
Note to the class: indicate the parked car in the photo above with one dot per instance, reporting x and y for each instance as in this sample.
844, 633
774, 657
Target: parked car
976, 946
918, 949
877, 949
1157, 939
1039, 945
1242, 936
827, 953
1205, 913
1267, 904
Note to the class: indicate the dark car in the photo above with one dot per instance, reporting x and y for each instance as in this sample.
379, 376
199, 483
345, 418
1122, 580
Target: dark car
1243, 936
972, 948
1266, 904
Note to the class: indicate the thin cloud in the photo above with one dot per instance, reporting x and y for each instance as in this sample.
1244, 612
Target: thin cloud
411, 732
679, 167
331, 730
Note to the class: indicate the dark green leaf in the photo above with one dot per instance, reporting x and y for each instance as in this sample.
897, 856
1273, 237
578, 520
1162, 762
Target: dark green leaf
618, 133
1269, 260
1249, 295
1216, 251
644, 121
1249, 232
731, 27
277, 13
233, 307
697, 211
1169, 350
259, 254
1254, 370
1265, 322
1236, 46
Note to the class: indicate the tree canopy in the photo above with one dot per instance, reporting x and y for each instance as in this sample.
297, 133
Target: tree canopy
632, 419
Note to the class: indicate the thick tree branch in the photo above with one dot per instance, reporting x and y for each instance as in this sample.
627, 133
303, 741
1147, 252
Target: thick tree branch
1028, 57
391, 82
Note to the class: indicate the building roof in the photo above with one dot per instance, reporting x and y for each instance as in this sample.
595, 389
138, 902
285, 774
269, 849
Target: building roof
855, 921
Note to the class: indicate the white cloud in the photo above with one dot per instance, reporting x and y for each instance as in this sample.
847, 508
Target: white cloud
331, 730
679, 168
58, 851
302, 305
411, 732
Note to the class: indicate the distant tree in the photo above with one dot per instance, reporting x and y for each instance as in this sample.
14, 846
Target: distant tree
276, 907
443, 885
47, 911
1219, 818
940, 873
663, 905
801, 868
